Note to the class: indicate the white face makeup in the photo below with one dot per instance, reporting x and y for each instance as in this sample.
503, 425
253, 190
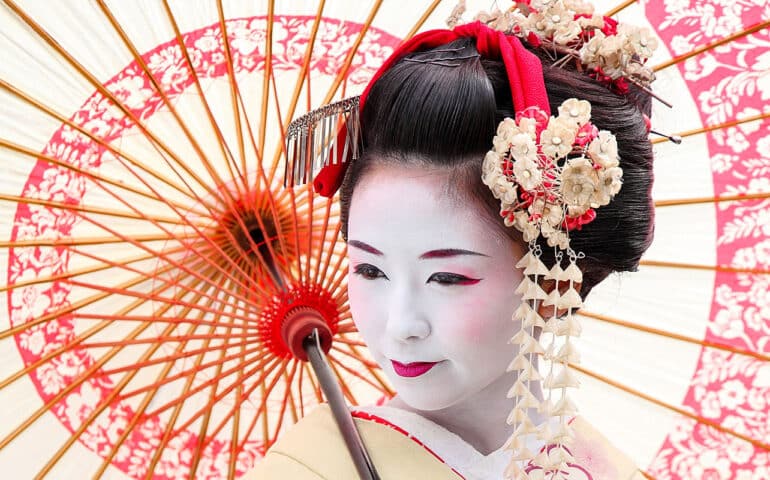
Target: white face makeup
431, 289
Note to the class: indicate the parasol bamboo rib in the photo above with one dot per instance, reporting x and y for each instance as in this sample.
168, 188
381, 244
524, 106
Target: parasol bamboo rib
308, 187
726, 198
427, 13
693, 266
88, 301
140, 61
237, 415
348, 341
168, 435
207, 416
91, 175
82, 241
377, 374
86, 209
290, 400
291, 191
265, 394
710, 46
335, 287
699, 419
297, 87
209, 242
322, 242
44, 35
344, 384
262, 408
145, 318
719, 126
126, 293
285, 400
234, 95
71, 273
299, 391
225, 150
267, 74
171, 338
164, 256
265, 368
144, 182
168, 380
316, 387
69, 309
675, 336
146, 401
83, 376
615, 10
74, 343
107, 94
330, 251
170, 427
103, 404
281, 195
187, 353
265, 428
364, 361
271, 201
351, 53
118, 154
268, 391
355, 373
201, 262
236, 424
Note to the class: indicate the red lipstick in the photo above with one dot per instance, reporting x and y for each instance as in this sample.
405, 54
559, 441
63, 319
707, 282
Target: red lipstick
412, 369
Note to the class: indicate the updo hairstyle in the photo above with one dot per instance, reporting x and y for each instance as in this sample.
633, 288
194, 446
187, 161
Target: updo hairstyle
440, 109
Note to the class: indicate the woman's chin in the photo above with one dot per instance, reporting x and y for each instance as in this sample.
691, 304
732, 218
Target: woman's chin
424, 401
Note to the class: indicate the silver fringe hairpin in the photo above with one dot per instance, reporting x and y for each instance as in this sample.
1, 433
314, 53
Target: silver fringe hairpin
313, 140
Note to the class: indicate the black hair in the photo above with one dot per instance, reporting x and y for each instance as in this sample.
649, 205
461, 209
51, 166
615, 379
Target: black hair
441, 107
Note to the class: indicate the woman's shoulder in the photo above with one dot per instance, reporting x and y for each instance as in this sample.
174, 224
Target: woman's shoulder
596, 454
313, 449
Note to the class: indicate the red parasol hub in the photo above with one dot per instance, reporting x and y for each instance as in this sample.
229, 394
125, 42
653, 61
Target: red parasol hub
294, 314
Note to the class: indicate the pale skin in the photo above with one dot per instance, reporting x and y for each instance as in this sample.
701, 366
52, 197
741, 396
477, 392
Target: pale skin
430, 281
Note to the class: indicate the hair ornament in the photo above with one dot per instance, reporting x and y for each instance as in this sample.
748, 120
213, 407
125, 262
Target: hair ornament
551, 173
613, 53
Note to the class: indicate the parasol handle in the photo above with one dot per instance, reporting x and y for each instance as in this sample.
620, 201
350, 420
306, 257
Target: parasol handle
333, 393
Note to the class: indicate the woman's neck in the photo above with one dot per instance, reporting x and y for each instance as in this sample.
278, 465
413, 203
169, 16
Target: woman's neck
480, 419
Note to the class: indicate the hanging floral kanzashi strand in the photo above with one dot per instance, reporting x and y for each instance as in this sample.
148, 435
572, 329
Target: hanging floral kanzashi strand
550, 175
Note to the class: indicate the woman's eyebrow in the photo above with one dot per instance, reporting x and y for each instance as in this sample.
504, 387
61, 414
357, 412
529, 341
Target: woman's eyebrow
364, 246
448, 252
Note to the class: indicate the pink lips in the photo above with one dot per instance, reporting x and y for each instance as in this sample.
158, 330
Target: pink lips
412, 369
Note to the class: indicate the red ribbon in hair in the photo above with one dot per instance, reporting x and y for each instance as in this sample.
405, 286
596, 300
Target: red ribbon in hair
525, 76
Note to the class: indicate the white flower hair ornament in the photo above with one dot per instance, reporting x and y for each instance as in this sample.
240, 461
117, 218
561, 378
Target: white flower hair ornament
612, 53
550, 175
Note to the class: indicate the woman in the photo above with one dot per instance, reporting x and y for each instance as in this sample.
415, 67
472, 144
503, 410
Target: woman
433, 266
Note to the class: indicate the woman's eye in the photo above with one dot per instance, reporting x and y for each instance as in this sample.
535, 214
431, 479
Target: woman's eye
369, 272
444, 278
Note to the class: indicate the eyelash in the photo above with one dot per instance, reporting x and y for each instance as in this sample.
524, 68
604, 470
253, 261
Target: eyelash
370, 272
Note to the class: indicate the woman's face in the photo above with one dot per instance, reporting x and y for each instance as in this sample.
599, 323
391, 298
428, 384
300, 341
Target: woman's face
431, 288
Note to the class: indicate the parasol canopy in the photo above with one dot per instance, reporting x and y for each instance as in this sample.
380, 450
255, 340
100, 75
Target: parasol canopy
150, 249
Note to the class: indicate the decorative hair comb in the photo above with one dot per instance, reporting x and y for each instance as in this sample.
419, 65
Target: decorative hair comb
323, 137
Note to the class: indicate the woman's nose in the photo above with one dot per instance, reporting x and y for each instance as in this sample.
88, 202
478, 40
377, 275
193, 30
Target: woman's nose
407, 321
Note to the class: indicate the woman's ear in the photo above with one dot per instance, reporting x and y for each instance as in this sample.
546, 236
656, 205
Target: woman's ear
546, 311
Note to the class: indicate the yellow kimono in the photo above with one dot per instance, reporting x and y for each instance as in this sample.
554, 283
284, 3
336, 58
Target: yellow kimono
405, 446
